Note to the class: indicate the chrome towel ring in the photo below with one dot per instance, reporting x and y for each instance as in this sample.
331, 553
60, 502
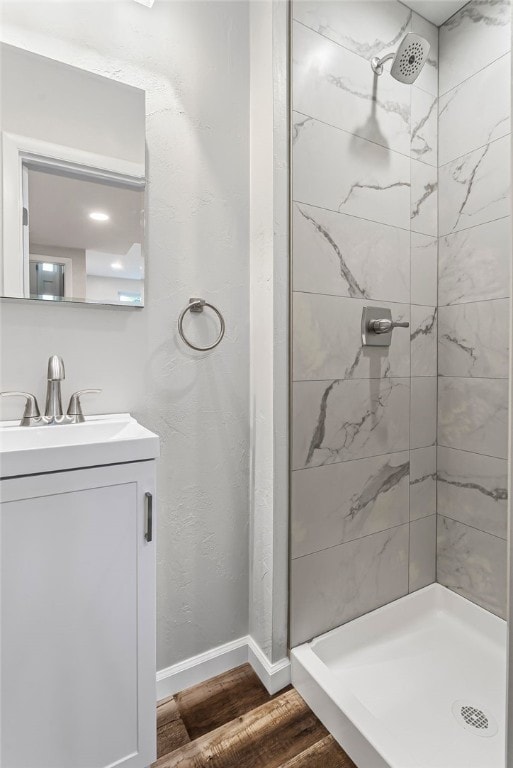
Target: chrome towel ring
196, 305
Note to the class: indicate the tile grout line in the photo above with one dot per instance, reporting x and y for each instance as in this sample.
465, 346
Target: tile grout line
472, 453
360, 458
399, 453
475, 528
370, 141
394, 226
476, 149
357, 538
458, 85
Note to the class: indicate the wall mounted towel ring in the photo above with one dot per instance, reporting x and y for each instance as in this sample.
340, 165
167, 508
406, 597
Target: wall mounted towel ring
196, 305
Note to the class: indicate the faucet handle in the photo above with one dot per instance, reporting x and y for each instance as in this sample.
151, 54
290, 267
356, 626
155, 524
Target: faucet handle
385, 325
31, 412
75, 406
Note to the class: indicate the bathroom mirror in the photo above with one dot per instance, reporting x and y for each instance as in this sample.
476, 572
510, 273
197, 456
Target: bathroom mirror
73, 175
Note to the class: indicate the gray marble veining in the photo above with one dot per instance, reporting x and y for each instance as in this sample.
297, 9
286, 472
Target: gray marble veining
338, 584
327, 340
486, 94
473, 564
346, 24
336, 170
472, 489
338, 87
422, 482
424, 127
423, 335
346, 256
424, 198
422, 569
342, 502
475, 36
424, 269
348, 419
474, 189
473, 415
474, 263
474, 339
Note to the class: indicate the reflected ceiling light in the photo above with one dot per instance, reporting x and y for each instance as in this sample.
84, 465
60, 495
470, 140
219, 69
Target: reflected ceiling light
148, 3
116, 265
47, 267
99, 216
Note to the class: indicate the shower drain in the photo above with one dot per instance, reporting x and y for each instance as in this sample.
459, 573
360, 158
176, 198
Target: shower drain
472, 718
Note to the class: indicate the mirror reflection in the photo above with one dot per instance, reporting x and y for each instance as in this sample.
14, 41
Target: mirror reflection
84, 238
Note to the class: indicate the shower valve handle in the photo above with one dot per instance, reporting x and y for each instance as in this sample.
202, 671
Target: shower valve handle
385, 325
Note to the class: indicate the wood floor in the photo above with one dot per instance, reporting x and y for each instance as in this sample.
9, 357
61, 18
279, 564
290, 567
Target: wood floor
232, 722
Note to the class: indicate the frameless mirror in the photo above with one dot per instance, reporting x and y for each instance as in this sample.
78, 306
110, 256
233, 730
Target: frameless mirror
73, 215
84, 238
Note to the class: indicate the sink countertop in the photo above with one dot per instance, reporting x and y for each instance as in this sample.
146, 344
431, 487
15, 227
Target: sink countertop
100, 440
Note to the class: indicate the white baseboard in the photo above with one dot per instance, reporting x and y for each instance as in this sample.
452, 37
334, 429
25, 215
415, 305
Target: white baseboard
199, 668
202, 667
274, 676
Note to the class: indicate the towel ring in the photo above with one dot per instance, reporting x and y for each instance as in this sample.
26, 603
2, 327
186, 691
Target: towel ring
196, 305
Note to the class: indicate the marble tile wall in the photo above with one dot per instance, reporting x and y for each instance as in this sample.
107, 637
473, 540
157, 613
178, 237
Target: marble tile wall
473, 298
365, 210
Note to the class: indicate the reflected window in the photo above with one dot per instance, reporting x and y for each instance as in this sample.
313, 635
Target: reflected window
46, 280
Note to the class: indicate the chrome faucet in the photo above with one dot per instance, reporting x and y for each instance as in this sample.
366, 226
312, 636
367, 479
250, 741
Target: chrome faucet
53, 408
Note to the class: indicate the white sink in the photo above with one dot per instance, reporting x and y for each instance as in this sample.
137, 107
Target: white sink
100, 440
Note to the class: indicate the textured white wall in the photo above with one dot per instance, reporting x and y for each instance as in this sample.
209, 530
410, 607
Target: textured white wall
192, 60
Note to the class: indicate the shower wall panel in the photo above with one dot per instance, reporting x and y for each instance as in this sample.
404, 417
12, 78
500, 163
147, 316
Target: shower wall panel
364, 211
473, 322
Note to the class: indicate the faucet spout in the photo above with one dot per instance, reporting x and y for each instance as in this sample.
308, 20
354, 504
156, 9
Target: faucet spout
56, 368
56, 373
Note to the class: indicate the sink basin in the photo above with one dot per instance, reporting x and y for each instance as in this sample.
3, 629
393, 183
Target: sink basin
100, 440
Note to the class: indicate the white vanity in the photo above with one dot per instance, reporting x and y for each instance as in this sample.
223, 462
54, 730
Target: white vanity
77, 526
77, 610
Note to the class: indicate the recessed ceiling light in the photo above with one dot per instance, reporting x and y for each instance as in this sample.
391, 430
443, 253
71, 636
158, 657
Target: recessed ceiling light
99, 216
116, 265
149, 3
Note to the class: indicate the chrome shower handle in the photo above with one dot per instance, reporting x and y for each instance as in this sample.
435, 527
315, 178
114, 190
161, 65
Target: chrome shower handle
384, 325
75, 406
31, 413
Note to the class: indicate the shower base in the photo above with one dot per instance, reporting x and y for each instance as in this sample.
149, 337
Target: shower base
419, 683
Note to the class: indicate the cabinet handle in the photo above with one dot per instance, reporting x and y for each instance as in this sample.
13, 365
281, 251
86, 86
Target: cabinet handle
149, 516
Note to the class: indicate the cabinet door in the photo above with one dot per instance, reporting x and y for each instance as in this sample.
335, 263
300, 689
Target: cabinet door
77, 619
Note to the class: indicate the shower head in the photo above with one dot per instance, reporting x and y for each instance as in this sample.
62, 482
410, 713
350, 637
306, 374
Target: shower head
409, 59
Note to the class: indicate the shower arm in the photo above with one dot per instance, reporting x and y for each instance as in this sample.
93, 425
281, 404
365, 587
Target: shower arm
377, 63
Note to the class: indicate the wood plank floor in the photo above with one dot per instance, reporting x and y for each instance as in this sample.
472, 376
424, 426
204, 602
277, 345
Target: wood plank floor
231, 722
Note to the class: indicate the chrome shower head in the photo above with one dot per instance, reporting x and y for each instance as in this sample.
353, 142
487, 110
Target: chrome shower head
409, 59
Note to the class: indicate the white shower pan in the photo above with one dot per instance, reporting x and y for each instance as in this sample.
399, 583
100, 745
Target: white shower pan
419, 683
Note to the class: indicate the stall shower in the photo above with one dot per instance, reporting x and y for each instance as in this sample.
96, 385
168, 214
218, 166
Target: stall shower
401, 202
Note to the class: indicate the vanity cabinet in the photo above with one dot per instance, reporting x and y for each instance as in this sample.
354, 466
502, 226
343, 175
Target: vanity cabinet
78, 618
